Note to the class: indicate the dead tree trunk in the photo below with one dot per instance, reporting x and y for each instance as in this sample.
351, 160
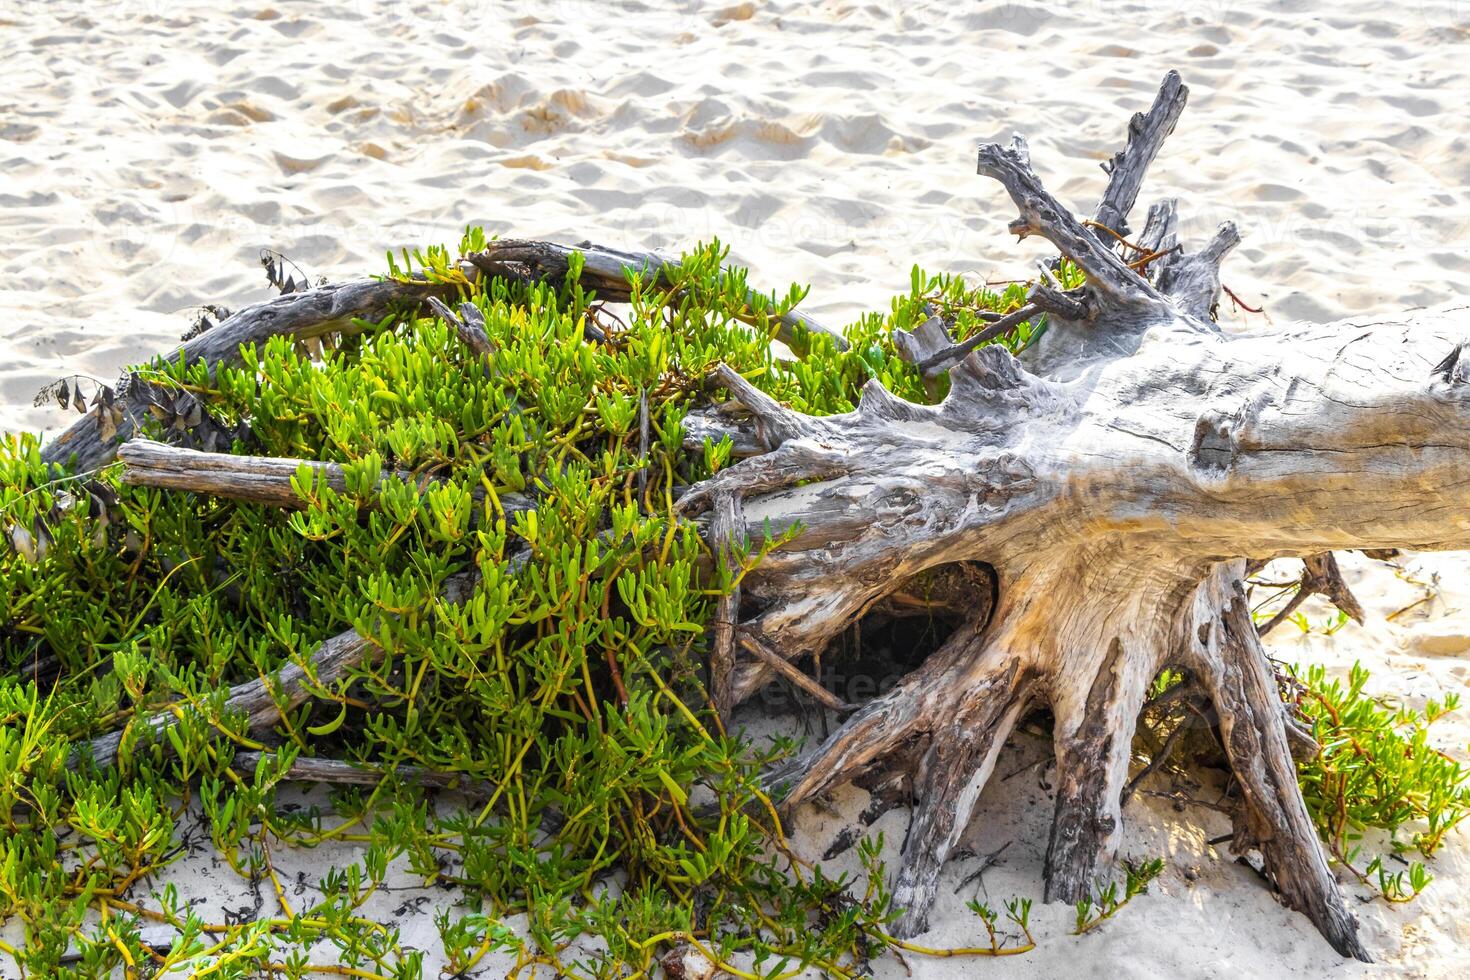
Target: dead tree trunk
1114, 479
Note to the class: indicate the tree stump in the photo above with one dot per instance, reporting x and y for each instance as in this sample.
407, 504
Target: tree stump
1115, 478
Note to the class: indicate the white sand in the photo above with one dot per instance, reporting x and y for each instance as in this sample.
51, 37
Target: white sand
149, 149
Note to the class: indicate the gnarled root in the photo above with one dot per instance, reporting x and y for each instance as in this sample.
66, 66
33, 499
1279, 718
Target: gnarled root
1092, 769
1231, 666
951, 774
941, 729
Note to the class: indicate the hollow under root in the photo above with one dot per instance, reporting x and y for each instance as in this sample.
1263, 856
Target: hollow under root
939, 732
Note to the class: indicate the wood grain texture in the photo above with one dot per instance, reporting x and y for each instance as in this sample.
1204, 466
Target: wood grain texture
1146, 134
1114, 478
251, 479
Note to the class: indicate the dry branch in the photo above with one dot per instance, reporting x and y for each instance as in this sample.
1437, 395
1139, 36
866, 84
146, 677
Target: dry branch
337, 307
607, 271
262, 700
339, 773
301, 315
251, 479
786, 669
723, 539
1320, 576
256, 700
1146, 133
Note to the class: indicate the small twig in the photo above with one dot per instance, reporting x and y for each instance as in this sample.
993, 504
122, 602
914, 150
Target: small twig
1138, 265
1022, 768
1157, 762
787, 670
1285, 613
990, 861
1239, 303
1141, 250
1413, 605
997, 329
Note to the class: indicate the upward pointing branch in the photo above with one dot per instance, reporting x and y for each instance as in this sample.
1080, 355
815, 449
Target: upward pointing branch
1041, 214
1146, 133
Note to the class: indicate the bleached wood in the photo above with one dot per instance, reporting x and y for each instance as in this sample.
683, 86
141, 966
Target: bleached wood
1146, 133
261, 701
251, 479
723, 540
1112, 479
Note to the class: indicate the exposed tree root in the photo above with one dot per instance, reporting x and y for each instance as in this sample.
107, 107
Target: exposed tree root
1092, 770
1232, 667
1112, 482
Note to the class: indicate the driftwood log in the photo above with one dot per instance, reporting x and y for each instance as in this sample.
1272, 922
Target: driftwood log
1115, 479
1088, 511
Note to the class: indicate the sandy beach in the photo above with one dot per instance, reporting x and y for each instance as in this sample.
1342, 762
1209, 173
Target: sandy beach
149, 150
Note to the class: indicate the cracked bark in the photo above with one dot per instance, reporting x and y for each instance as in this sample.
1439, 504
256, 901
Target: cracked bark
1115, 479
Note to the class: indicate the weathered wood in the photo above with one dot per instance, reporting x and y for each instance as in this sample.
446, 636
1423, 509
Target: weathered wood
963, 748
339, 773
1146, 134
1092, 771
607, 270
256, 700
262, 700
1225, 652
468, 324
923, 343
723, 539
1042, 215
1110, 477
1192, 280
252, 479
310, 313
936, 362
1320, 576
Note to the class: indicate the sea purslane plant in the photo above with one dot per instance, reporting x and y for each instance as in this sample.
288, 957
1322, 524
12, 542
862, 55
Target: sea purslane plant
562, 700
